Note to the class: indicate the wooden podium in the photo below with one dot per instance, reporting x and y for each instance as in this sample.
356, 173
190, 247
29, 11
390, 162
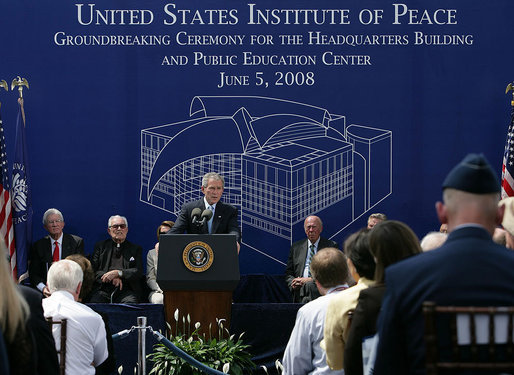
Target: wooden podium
198, 273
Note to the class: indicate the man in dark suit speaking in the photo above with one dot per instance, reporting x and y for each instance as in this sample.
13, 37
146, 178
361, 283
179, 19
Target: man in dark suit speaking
298, 276
56, 246
224, 216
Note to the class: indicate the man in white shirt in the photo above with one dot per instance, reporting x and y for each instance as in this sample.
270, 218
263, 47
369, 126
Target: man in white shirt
86, 343
303, 354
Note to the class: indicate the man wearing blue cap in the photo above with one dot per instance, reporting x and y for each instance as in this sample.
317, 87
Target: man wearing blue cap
469, 269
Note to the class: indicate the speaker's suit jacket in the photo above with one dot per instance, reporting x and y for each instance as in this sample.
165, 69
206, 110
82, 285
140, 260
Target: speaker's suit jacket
469, 269
224, 221
132, 264
296, 265
41, 258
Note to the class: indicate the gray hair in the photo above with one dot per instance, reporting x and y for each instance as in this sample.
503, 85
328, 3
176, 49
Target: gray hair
64, 275
114, 217
433, 240
212, 176
51, 211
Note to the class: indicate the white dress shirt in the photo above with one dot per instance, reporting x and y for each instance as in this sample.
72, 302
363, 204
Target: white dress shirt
86, 342
303, 355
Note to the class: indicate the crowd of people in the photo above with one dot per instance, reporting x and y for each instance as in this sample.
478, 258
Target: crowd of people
378, 282
376, 325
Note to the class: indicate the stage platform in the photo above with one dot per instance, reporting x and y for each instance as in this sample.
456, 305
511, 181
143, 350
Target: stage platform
261, 309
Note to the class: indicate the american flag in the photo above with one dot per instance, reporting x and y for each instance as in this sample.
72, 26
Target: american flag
508, 160
6, 227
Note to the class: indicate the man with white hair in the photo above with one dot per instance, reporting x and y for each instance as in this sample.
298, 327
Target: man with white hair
86, 343
56, 246
118, 266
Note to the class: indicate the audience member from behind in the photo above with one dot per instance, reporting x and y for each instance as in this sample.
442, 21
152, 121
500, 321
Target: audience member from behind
303, 355
389, 242
298, 278
156, 295
109, 365
24, 328
375, 218
118, 266
362, 268
447, 275
86, 343
508, 221
56, 246
433, 240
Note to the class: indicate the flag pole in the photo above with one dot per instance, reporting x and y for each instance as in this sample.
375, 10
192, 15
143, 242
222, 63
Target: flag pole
3, 84
20, 82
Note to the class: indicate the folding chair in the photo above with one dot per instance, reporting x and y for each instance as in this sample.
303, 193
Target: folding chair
62, 347
474, 338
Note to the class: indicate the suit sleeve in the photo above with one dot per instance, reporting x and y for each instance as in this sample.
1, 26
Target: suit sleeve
390, 354
96, 261
80, 246
35, 266
151, 274
233, 226
290, 274
47, 362
181, 223
135, 269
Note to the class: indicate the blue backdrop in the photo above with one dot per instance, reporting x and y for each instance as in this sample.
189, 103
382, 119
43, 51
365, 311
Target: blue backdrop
337, 109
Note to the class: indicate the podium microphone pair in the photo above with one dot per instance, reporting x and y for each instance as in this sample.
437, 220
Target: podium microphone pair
199, 218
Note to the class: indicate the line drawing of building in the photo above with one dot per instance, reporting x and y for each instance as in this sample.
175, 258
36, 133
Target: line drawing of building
281, 160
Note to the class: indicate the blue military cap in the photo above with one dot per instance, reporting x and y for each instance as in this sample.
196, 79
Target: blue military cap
473, 175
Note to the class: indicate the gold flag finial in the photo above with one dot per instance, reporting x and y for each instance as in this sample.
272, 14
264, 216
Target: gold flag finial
3, 84
510, 87
19, 82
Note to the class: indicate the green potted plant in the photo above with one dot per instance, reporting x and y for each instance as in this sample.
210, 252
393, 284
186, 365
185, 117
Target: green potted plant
225, 353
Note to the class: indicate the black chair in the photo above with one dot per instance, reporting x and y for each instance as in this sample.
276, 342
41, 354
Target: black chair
61, 352
462, 338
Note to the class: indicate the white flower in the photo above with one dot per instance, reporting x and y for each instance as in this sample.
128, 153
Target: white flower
120, 369
197, 325
279, 366
226, 368
176, 315
188, 318
265, 369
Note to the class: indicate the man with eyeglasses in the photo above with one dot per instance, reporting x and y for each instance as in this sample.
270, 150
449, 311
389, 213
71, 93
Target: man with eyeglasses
118, 266
51, 248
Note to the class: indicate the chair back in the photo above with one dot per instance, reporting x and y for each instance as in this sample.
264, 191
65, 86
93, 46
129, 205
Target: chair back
61, 350
468, 338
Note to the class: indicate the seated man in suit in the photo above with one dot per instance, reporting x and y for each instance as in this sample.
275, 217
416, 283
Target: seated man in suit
447, 275
56, 246
118, 266
224, 218
298, 276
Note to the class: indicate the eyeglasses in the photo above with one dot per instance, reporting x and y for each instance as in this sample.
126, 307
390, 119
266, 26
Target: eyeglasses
118, 226
54, 222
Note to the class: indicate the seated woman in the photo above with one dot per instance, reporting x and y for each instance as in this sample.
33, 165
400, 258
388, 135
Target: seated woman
362, 268
156, 294
389, 242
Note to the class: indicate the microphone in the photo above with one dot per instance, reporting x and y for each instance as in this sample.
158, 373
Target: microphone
206, 216
195, 215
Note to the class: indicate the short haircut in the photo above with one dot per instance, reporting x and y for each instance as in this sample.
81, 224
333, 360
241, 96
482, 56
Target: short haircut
88, 278
356, 248
64, 275
378, 216
165, 223
391, 241
212, 176
329, 267
114, 217
51, 211
458, 200
317, 217
433, 240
